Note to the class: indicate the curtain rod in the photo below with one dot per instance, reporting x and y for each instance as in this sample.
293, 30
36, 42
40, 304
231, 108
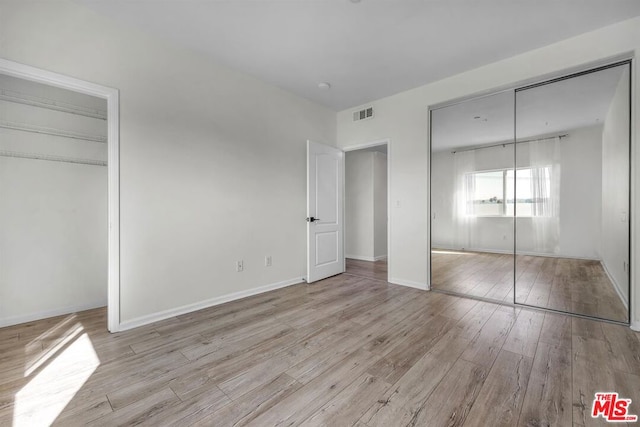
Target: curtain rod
564, 135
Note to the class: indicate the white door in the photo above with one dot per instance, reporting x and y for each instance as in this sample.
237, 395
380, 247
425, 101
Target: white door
325, 230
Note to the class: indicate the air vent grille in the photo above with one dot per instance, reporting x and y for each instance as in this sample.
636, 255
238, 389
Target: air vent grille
363, 114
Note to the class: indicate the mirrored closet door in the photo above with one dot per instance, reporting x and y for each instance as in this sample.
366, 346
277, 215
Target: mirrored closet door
530, 195
572, 194
472, 160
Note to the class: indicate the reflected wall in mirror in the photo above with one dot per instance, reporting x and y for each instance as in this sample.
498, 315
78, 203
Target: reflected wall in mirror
572, 194
472, 163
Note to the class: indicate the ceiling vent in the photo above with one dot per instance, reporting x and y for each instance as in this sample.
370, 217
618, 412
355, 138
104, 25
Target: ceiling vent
363, 114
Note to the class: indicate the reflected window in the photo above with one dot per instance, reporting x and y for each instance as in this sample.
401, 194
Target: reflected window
487, 191
533, 192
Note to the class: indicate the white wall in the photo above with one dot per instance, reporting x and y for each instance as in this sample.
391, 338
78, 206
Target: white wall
53, 215
615, 188
212, 162
581, 193
358, 209
379, 205
404, 119
365, 205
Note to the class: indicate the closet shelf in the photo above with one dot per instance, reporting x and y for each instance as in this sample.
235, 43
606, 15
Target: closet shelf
51, 158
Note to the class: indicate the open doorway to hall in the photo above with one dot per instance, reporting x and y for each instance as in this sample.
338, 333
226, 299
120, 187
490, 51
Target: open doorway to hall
366, 210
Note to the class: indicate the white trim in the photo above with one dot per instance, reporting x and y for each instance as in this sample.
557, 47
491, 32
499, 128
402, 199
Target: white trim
375, 143
366, 258
113, 167
361, 258
616, 286
409, 283
24, 318
634, 225
429, 168
172, 312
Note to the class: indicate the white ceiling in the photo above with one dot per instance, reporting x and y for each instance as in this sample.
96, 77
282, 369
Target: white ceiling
366, 50
544, 110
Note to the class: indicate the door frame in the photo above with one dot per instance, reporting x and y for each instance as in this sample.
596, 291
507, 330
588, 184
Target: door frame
111, 95
376, 143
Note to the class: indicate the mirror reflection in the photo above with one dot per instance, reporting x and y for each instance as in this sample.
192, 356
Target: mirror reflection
472, 164
572, 194
530, 195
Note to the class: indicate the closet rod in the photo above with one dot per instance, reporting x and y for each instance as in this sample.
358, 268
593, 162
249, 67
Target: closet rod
15, 154
502, 144
51, 131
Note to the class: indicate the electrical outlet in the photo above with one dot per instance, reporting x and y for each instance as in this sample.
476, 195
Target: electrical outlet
239, 266
267, 261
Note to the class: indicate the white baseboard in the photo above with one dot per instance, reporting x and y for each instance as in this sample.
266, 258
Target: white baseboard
172, 312
409, 283
24, 318
635, 326
544, 254
366, 258
361, 258
483, 250
616, 286
510, 252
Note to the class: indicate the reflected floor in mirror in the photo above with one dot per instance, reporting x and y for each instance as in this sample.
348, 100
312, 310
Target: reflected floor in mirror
572, 285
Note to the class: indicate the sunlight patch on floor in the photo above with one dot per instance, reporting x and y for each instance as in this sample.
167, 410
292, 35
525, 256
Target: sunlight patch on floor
48, 393
39, 361
51, 331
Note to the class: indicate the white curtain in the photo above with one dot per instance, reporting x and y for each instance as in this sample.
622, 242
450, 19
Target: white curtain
540, 233
463, 219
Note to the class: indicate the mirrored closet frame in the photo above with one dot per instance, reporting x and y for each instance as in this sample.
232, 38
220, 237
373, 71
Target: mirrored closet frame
542, 81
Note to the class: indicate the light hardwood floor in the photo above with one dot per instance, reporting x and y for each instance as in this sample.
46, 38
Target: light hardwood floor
348, 350
571, 285
374, 270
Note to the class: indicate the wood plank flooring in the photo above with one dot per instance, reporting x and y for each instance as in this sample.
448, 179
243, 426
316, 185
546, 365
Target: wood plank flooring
571, 285
348, 350
375, 270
